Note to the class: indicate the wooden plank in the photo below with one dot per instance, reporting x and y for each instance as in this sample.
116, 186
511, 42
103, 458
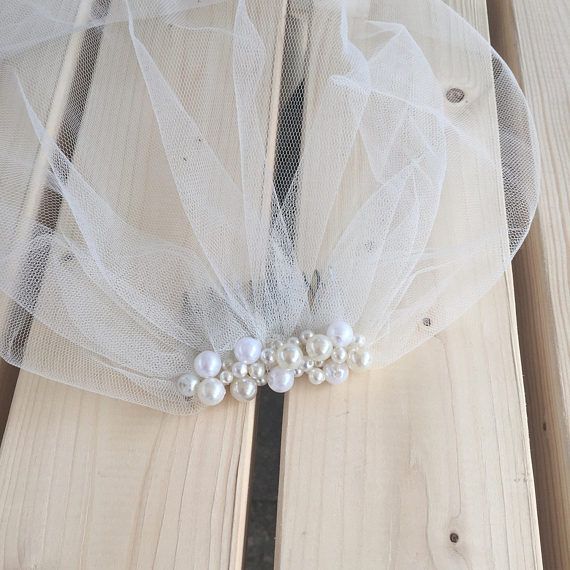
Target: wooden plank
17, 128
88, 481
533, 38
425, 464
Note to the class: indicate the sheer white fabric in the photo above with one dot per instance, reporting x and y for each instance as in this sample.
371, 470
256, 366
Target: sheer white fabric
175, 175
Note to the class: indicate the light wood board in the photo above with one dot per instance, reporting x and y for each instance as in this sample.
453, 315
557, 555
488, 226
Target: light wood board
534, 39
88, 481
427, 463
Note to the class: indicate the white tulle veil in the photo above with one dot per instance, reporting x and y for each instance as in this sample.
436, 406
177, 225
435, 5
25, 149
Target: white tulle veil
176, 175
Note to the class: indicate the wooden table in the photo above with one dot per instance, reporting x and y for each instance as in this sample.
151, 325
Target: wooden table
424, 465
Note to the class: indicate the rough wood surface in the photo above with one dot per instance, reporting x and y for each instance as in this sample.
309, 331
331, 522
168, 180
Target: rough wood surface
425, 464
534, 39
91, 482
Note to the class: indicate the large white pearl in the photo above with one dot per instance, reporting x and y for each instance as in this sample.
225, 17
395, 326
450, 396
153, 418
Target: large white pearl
281, 380
319, 347
341, 333
187, 384
248, 350
211, 391
336, 373
290, 356
207, 364
243, 389
359, 360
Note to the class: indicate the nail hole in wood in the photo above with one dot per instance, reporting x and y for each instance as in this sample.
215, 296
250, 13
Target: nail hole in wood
455, 95
454, 537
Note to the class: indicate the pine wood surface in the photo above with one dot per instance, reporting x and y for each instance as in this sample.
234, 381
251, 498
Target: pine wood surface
425, 464
533, 38
87, 481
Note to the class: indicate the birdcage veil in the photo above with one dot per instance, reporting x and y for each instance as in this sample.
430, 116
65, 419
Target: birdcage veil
176, 176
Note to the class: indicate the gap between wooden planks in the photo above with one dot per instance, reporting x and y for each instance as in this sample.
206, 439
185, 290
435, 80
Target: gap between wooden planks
533, 37
91, 482
425, 465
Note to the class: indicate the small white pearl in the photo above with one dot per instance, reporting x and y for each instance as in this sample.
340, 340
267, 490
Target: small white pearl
243, 389
277, 344
207, 364
319, 347
359, 340
293, 340
261, 381
187, 384
316, 376
228, 362
211, 391
298, 372
239, 369
281, 380
248, 350
336, 373
341, 333
269, 357
359, 360
307, 365
290, 356
339, 354
257, 370
226, 377
306, 335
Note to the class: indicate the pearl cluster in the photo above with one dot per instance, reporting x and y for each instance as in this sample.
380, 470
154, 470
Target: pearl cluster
321, 357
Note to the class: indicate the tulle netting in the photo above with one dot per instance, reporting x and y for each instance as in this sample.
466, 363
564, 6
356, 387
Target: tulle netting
176, 175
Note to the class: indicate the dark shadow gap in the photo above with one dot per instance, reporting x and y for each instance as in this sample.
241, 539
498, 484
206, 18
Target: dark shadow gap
264, 487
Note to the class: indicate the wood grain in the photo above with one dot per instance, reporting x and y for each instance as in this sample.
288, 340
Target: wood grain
534, 40
425, 464
91, 482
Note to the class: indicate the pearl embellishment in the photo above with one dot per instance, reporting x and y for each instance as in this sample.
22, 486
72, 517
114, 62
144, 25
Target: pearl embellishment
319, 347
257, 370
281, 380
187, 384
341, 333
316, 376
226, 377
321, 357
248, 350
211, 391
339, 354
207, 364
336, 373
359, 360
290, 356
239, 369
243, 389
